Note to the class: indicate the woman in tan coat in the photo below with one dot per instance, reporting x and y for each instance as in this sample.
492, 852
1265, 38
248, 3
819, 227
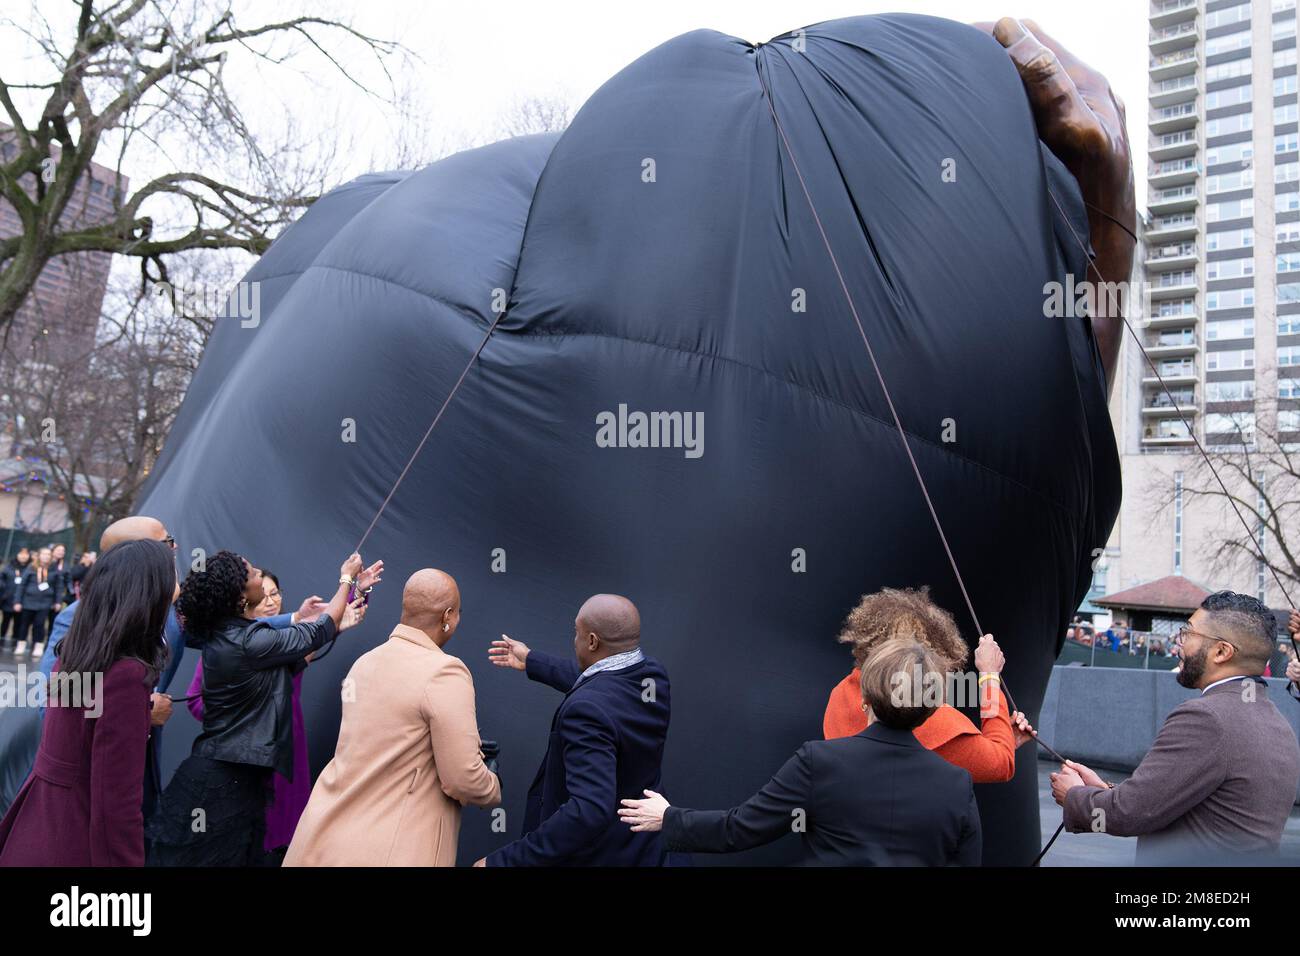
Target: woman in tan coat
408, 754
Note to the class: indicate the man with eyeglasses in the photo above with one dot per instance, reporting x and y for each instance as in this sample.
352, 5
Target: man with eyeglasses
1219, 782
18, 744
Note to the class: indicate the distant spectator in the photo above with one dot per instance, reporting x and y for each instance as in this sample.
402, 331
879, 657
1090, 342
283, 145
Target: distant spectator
59, 579
77, 572
34, 599
1115, 636
10, 577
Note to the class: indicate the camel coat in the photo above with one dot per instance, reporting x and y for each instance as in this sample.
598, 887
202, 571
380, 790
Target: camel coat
407, 758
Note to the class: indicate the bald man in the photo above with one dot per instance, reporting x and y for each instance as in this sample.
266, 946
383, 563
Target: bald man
607, 742
408, 754
130, 528
140, 528
18, 753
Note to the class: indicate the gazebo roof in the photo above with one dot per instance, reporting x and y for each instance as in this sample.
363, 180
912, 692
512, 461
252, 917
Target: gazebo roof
1173, 593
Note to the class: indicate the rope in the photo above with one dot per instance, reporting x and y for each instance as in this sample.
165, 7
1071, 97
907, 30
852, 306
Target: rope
898, 424
1186, 424
429, 431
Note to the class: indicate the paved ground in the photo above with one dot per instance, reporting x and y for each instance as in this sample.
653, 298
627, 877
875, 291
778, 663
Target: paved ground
9, 663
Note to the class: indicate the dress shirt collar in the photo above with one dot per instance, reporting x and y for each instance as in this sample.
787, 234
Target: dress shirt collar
1210, 687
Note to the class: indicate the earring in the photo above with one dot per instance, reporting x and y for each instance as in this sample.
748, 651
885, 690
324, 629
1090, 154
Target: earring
444, 627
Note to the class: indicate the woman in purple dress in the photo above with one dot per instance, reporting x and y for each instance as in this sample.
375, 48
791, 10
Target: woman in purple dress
81, 804
289, 797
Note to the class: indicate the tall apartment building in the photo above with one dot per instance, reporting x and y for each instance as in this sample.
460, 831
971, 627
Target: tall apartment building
1220, 260
60, 317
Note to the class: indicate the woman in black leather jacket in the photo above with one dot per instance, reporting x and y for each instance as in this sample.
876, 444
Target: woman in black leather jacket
248, 669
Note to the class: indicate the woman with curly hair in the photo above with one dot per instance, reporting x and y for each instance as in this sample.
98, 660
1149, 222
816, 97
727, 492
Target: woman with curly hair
289, 796
987, 751
248, 669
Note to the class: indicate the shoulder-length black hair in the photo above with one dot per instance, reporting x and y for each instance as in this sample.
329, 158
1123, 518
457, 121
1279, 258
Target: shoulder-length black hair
123, 610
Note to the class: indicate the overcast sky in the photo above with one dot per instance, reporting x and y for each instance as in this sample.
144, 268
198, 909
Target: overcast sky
472, 61
480, 56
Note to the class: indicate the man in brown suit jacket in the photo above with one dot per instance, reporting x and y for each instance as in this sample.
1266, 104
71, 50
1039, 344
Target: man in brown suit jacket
1220, 779
408, 753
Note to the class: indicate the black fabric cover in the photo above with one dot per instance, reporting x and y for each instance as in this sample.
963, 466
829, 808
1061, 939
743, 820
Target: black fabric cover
676, 295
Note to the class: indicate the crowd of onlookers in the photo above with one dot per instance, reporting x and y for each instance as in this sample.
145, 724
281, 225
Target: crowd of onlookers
1119, 638
34, 587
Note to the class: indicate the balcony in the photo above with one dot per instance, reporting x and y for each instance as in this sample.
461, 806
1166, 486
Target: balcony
1178, 199
1167, 12
1171, 320
1182, 255
1152, 437
1173, 37
1172, 344
1173, 172
1173, 373
1158, 405
1170, 227
1172, 145
1180, 89
1173, 118
1168, 65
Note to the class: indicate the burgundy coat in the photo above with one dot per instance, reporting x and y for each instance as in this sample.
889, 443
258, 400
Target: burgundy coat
81, 805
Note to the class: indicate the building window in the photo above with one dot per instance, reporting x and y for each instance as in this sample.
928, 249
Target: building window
1178, 522
1229, 391
1237, 426
1261, 568
1230, 329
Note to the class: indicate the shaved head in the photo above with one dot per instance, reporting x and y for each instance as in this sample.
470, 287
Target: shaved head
431, 603
614, 619
134, 528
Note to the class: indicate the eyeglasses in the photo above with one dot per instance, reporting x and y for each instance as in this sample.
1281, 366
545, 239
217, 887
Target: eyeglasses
170, 542
1186, 630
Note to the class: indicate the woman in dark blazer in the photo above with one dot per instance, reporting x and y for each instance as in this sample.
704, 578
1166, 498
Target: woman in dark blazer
11, 575
81, 803
875, 799
36, 597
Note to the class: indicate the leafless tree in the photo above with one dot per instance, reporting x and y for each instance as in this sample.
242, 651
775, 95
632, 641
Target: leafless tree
141, 74
1257, 456
536, 114
96, 420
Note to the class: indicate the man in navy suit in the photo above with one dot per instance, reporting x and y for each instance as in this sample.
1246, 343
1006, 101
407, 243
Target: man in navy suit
607, 742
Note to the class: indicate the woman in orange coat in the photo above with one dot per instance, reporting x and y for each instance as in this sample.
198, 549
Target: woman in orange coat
987, 751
